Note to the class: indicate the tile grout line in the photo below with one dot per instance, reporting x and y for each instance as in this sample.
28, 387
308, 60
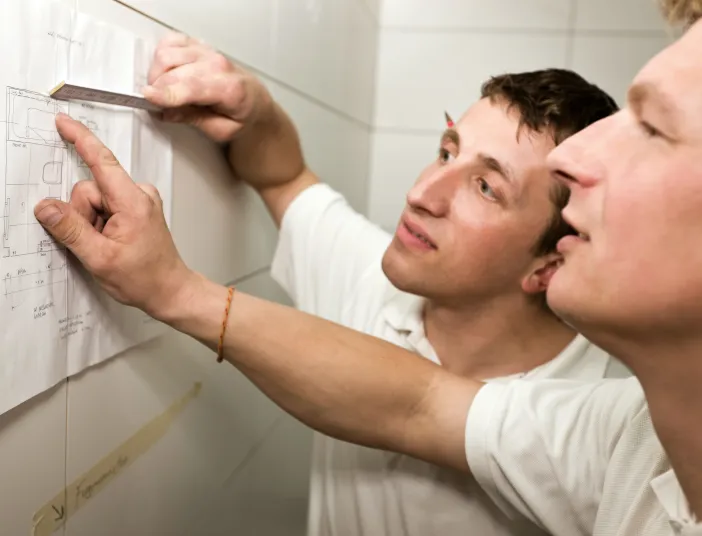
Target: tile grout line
409, 131
65, 457
247, 277
305, 96
480, 30
570, 43
248, 457
375, 16
254, 450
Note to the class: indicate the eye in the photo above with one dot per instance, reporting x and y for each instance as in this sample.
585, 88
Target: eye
649, 130
486, 189
445, 156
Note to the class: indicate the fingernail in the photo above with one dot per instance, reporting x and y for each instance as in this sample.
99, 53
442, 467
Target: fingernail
61, 115
148, 91
49, 216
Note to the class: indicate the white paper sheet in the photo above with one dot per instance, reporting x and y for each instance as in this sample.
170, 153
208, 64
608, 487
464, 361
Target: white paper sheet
54, 321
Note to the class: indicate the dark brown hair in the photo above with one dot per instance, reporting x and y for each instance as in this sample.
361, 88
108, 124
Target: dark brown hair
557, 101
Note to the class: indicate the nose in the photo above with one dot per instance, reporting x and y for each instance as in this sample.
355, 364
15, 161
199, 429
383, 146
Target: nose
579, 159
433, 191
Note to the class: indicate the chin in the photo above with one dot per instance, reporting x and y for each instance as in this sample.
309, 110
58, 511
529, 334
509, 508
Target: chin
398, 271
561, 296
573, 302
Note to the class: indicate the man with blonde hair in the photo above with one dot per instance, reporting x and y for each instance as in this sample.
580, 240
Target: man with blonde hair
613, 458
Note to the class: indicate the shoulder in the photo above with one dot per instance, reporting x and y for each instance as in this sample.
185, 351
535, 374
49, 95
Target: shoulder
311, 203
581, 360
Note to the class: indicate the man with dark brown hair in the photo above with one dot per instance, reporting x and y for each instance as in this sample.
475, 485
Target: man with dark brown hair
461, 283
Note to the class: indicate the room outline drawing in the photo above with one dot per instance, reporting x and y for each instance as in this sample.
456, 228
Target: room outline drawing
37, 165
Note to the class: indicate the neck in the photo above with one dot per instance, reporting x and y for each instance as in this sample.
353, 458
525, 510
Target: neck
496, 338
671, 376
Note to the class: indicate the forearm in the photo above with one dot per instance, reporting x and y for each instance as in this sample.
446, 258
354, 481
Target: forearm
267, 152
345, 384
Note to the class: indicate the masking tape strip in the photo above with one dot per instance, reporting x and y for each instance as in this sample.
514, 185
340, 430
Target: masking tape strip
53, 515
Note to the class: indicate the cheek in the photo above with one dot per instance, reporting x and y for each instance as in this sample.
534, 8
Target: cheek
489, 252
650, 250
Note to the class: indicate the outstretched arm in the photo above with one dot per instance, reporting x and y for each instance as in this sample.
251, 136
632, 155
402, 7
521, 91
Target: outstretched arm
197, 85
338, 381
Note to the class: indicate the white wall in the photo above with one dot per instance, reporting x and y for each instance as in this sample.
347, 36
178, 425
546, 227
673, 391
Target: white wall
232, 463
433, 56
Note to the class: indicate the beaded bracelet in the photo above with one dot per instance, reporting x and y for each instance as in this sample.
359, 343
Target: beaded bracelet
220, 346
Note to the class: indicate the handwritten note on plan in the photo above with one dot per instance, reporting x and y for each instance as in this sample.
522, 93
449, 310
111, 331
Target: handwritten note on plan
54, 322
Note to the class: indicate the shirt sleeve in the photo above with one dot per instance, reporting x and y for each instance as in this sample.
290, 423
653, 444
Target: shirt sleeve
541, 449
324, 249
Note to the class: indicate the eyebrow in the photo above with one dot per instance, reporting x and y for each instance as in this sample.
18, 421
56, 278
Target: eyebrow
451, 135
495, 165
647, 92
490, 162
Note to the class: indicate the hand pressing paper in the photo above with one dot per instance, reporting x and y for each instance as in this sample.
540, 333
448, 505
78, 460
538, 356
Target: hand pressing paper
54, 322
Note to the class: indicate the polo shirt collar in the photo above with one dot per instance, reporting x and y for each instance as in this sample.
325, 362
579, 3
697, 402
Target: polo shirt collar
404, 312
671, 496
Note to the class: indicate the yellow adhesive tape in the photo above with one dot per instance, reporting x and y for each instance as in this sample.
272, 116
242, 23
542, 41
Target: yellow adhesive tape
53, 515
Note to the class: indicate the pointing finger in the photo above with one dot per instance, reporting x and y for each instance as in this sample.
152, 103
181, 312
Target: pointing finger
116, 185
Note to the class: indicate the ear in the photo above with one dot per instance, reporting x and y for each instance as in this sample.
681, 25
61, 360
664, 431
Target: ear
542, 271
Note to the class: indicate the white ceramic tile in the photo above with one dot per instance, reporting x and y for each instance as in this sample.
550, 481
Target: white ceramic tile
241, 29
533, 14
241, 236
422, 74
220, 225
326, 49
612, 62
357, 91
375, 7
618, 15
166, 487
398, 160
32, 458
269, 494
335, 148
111, 12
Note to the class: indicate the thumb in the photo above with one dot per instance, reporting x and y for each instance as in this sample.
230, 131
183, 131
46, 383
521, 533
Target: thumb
70, 229
170, 96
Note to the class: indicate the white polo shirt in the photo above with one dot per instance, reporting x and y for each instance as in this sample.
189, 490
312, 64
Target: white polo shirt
576, 458
329, 261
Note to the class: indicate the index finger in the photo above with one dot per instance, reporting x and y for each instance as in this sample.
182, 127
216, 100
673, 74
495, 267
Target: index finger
114, 182
176, 39
167, 58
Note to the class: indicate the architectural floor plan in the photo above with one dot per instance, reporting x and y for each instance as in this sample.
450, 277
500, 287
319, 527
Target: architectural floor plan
54, 321
36, 167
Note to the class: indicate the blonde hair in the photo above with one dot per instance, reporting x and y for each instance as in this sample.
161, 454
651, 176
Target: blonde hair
685, 12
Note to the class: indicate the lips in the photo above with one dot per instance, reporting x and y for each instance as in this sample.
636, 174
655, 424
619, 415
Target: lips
580, 234
418, 232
